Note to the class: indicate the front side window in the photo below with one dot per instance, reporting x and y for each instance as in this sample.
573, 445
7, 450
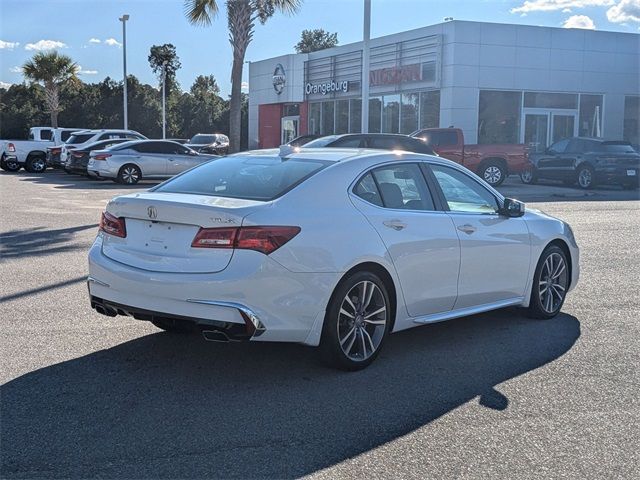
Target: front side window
403, 187
80, 138
65, 134
463, 193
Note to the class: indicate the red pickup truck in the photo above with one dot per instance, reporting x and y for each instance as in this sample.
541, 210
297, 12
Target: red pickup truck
493, 163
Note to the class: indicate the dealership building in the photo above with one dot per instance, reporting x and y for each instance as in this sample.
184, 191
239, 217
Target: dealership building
499, 83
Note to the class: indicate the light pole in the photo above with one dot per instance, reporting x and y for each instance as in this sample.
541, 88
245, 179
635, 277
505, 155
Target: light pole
365, 66
124, 19
164, 115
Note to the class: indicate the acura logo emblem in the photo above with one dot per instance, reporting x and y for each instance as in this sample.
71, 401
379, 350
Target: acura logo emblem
152, 212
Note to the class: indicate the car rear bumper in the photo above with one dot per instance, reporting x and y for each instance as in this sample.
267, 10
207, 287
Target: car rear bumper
618, 174
286, 306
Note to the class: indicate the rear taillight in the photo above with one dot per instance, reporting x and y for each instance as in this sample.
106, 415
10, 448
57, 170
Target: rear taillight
77, 154
101, 156
262, 239
113, 225
11, 147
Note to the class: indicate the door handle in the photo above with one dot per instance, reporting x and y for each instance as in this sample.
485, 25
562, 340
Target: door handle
395, 224
466, 228
171, 159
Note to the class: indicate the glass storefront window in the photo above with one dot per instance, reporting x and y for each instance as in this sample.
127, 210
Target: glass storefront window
499, 116
590, 116
327, 118
314, 118
375, 114
430, 109
631, 129
551, 100
409, 113
342, 116
291, 110
391, 113
355, 117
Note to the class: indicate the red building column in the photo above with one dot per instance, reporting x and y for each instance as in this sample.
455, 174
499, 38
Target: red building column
269, 124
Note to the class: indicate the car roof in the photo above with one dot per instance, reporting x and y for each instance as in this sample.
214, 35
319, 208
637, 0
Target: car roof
340, 154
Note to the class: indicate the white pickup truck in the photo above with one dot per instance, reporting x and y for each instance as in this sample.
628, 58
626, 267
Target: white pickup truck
31, 154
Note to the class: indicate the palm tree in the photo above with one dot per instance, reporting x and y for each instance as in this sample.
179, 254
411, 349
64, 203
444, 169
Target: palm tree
241, 18
51, 70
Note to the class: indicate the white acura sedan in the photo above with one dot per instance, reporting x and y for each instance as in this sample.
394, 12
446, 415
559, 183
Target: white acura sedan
334, 248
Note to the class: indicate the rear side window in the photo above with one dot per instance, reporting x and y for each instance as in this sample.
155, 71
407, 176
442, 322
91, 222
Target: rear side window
45, 134
440, 138
251, 178
348, 142
612, 147
397, 187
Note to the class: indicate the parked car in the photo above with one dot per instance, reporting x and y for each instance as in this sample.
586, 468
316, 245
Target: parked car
78, 158
85, 137
327, 247
216, 143
130, 162
586, 161
493, 163
383, 141
31, 154
302, 139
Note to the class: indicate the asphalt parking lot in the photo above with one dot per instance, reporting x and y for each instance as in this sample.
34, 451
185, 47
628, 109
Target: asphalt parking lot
494, 395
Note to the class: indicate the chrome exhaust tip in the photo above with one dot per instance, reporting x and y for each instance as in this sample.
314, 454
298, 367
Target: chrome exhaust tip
215, 336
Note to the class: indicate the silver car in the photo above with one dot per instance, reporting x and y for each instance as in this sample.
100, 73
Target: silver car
130, 162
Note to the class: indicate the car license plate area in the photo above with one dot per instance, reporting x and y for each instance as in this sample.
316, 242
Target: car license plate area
631, 173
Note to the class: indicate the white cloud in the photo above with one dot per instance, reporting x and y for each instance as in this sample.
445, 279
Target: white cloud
554, 5
5, 85
624, 11
45, 45
579, 21
8, 45
112, 42
94, 40
16, 69
566, 10
82, 71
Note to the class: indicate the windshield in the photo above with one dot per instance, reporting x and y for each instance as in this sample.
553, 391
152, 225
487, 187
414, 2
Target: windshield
320, 142
203, 139
251, 178
79, 138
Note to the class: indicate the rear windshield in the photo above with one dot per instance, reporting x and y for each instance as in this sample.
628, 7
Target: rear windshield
79, 138
251, 178
616, 148
203, 139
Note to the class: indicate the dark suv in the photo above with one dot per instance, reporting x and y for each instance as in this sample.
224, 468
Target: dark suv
382, 141
586, 161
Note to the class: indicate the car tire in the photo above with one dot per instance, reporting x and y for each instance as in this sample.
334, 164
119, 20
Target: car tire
35, 164
493, 172
529, 176
356, 323
173, 326
550, 283
129, 174
10, 166
585, 177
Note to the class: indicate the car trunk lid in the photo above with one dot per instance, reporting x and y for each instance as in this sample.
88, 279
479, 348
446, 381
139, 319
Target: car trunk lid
160, 228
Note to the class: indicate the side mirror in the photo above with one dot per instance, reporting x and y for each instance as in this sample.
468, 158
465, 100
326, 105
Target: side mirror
512, 208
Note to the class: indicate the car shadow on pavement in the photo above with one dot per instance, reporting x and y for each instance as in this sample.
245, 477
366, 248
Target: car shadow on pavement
39, 241
63, 180
171, 406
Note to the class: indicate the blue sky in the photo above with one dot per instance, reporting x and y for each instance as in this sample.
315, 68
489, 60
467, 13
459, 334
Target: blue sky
89, 30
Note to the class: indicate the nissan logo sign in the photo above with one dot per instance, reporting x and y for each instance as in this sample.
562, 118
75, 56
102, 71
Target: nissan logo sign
279, 79
152, 212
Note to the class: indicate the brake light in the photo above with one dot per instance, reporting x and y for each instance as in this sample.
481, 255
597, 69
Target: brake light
77, 154
102, 156
113, 225
11, 147
265, 239
55, 151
